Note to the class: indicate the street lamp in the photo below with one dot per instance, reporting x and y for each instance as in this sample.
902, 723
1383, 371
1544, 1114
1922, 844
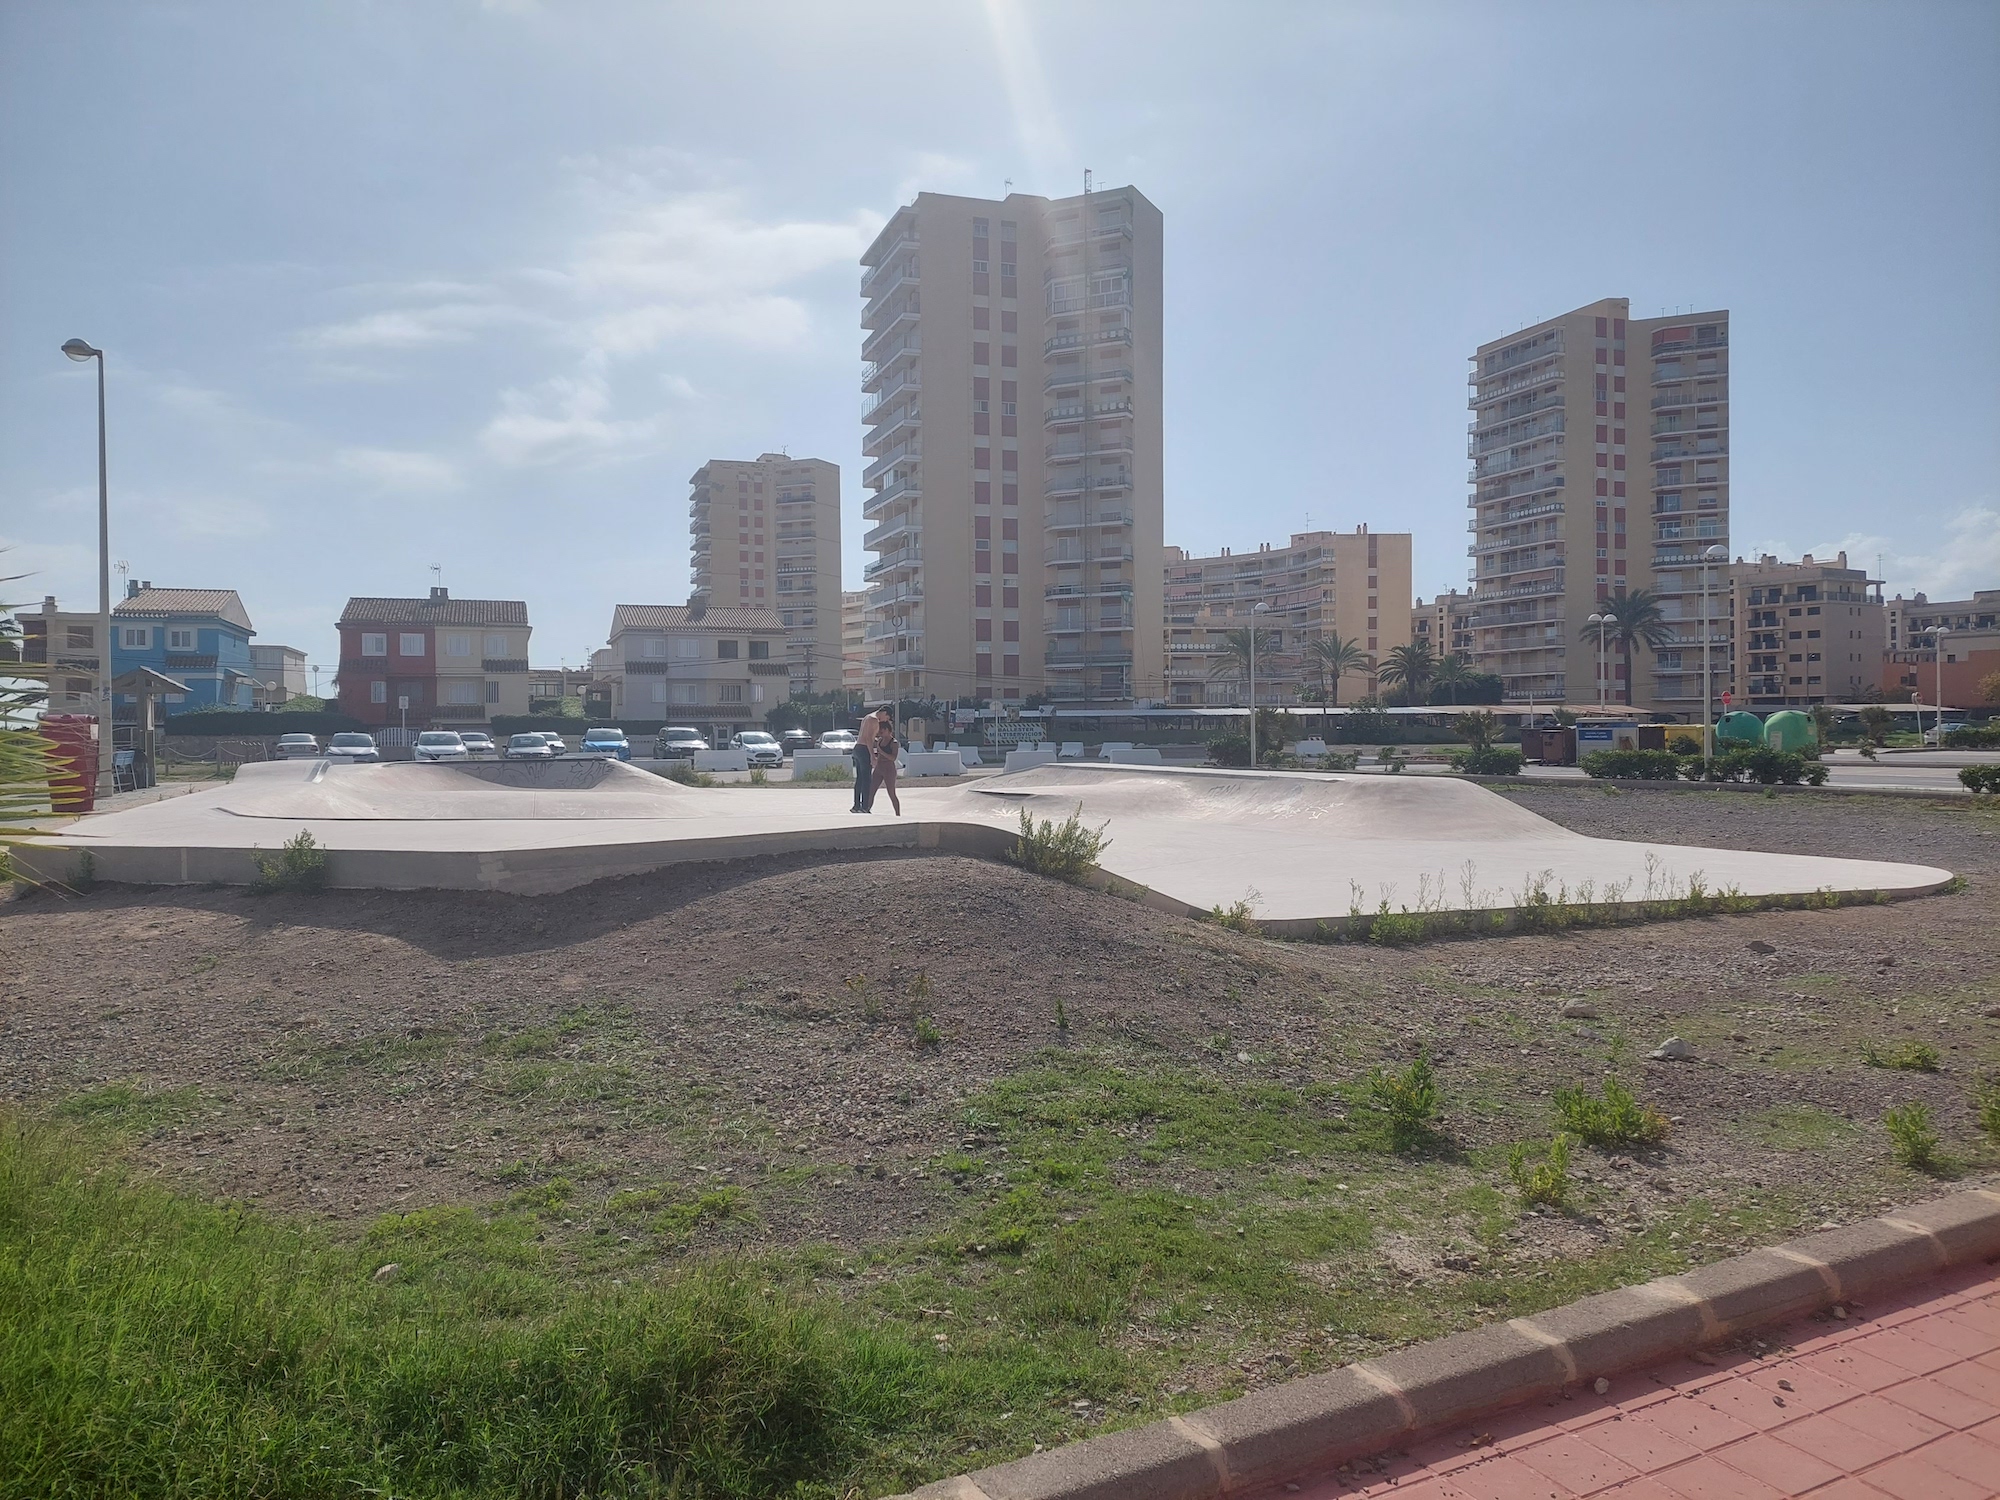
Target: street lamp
79, 351
1261, 607
1600, 621
1937, 649
1709, 557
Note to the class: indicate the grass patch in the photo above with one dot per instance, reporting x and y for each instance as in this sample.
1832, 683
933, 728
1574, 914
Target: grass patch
1544, 1181
1406, 1101
1908, 1057
823, 776
1613, 1117
211, 1351
129, 1107
1797, 1127
1912, 1140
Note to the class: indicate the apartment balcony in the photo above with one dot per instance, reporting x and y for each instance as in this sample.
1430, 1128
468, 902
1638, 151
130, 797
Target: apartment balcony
910, 450
893, 563
1088, 590
904, 378
1518, 514
1681, 346
1070, 453
1509, 436
1075, 376
1077, 411
1501, 389
1680, 451
883, 537
1538, 452
1534, 563
1530, 485
1685, 557
900, 429
886, 362
1522, 590
1706, 395
795, 569
887, 265
1070, 661
1079, 483
895, 595
902, 274
906, 488
895, 660
899, 625
1492, 421
1083, 520
1527, 355
1517, 544
1097, 339
901, 323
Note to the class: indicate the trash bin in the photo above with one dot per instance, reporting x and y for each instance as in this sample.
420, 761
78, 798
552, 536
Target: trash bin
73, 761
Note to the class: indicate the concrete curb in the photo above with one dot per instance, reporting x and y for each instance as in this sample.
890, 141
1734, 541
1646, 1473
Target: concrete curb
1955, 795
1307, 1426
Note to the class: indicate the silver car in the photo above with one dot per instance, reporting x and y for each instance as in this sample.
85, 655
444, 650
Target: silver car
760, 749
440, 744
297, 747
355, 748
528, 747
477, 742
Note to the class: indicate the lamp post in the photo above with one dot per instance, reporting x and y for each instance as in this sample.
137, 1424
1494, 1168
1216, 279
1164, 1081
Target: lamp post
1937, 650
1600, 621
1709, 557
78, 350
1259, 608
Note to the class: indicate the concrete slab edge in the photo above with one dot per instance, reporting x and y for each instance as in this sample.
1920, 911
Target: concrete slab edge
1305, 1427
1949, 794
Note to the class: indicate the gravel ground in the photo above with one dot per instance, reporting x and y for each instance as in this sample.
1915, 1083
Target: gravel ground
355, 1052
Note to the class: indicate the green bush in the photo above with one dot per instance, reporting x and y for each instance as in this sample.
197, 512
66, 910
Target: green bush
1545, 1181
1065, 851
1986, 1105
1632, 765
1974, 737
299, 866
1908, 1057
1406, 1100
1487, 760
1229, 750
1616, 1118
1911, 1138
1980, 779
684, 772
1762, 765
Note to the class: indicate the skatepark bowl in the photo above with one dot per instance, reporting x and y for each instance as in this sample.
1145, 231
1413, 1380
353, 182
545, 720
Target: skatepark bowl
1299, 848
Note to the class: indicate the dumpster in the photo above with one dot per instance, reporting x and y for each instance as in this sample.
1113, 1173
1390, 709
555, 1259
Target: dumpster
73, 761
1788, 729
1734, 731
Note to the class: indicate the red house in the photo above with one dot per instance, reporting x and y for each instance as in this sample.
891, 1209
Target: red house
433, 663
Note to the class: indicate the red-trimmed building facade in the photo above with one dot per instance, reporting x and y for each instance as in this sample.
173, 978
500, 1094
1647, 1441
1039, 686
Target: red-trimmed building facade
456, 662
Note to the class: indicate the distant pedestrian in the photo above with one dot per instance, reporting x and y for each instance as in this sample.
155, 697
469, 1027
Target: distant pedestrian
863, 756
888, 750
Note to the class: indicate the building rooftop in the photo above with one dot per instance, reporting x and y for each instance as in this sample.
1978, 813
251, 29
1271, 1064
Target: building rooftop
439, 609
685, 617
144, 599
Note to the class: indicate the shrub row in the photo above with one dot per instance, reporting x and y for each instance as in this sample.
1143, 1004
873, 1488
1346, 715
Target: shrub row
1762, 765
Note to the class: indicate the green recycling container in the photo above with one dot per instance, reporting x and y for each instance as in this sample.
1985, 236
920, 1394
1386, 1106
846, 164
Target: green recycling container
1739, 729
1789, 729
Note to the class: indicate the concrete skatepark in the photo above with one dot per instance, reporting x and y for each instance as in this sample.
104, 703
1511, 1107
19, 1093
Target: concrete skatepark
1299, 848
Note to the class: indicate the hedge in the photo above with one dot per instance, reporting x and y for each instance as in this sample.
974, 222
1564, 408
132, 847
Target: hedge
262, 726
1633, 765
1487, 760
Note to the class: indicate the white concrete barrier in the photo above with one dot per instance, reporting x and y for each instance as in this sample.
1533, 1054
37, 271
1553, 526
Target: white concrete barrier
932, 763
1135, 755
814, 760
722, 760
1027, 760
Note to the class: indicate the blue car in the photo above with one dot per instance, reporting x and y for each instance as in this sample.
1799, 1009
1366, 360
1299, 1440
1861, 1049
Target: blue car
607, 742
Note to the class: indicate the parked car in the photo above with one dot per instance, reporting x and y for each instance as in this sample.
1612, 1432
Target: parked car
762, 751
557, 744
608, 741
297, 747
440, 744
1936, 736
478, 742
675, 743
837, 739
353, 748
530, 746
793, 740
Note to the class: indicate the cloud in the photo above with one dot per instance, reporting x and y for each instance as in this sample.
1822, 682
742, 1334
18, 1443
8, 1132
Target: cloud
1967, 558
567, 417
1036, 124
450, 322
219, 515
932, 172
400, 470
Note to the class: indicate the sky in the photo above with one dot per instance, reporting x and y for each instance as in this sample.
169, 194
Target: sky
393, 284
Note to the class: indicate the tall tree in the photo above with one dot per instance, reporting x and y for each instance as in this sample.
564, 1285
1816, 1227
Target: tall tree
1329, 656
1409, 668
1452, 674
1230, 656
1635, 620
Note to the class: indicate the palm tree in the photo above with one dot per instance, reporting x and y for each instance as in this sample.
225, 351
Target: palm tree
1635, 619
1451, 674
1410, 668
1230, 656
1329, 656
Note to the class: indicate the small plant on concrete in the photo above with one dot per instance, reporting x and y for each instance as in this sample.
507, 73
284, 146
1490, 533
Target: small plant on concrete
1407, 1101
1545, 1181
758, 777
1064, 851
299, 866
685, 773
1908, 1057
1616, 1118
1911, 1139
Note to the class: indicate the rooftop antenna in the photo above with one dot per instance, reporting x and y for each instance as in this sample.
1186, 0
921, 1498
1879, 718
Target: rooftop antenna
1009, 185
1086, 182
437, 572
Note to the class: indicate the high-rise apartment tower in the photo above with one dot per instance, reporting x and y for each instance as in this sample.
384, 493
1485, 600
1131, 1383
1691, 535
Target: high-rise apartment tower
1600, 449
766, 535
1012, 387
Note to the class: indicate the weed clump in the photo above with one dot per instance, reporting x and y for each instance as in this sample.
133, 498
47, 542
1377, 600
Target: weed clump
1406, 1100
1240, 916
299, 866
1986, 1107
1907, 1057
1616, 1118
1912, 1140
1545, 1181
684, 772
822, 776
1063, 851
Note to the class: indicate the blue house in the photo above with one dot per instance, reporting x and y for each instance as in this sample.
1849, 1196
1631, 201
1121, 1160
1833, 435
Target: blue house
197, 636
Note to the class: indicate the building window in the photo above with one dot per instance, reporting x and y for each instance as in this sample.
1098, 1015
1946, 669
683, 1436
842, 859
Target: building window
655, 646
378, 692
409, 643
492, 691
81, 638
180, 640
458, 645
686, 692
659, 692
375, 645
725, 650
135, 637
687, 648
496, 646
464, 692
731, 692
760, 651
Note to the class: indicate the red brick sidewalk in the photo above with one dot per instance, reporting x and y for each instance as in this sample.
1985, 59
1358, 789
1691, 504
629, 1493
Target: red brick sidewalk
1902, 1400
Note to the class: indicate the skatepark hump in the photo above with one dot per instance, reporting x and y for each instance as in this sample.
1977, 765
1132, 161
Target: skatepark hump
1298, 847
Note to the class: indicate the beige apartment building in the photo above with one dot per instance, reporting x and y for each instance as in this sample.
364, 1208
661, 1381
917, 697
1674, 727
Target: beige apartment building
1444, 624
718, 670
64, 641
1600, 452
1349, 585
1013, 418
1808, 632
766, 535
854, 641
